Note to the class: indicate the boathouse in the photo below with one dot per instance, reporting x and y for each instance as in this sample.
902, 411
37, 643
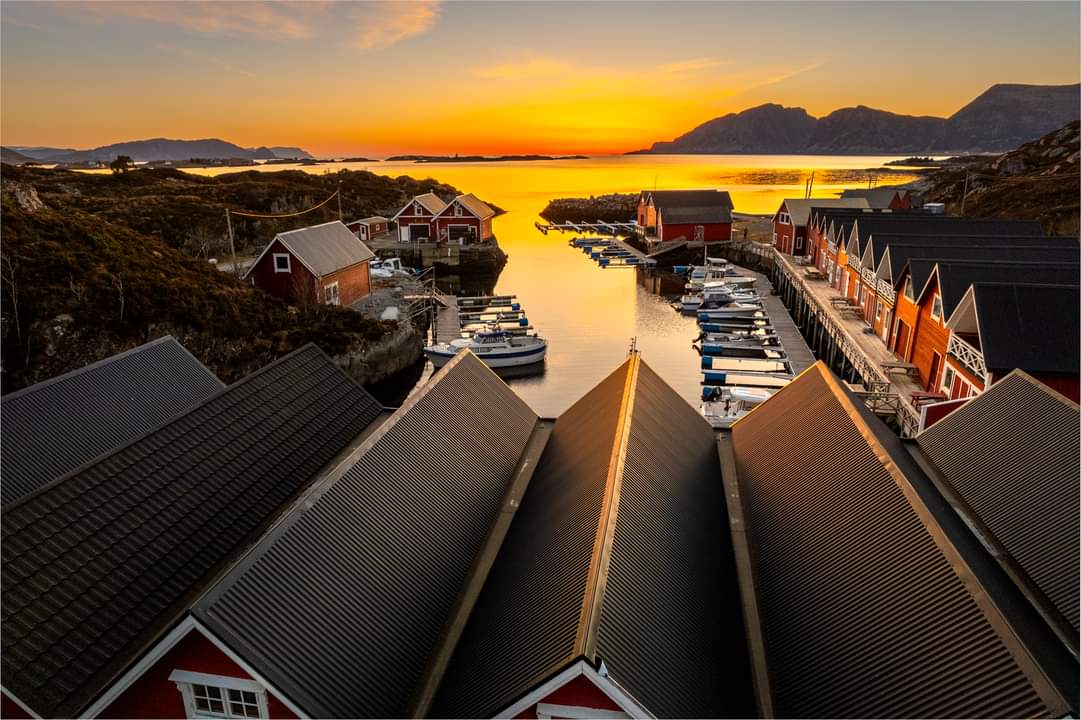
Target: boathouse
693, 215
284, 550
415, 218
464, 220
866, 582
999, 326
369, 227
320, 264
792, 217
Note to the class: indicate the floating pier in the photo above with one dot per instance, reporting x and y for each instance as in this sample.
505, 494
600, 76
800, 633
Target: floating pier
461, 316
599, 227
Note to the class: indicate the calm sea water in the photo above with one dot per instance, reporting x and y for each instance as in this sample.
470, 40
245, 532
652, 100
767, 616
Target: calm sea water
589, 315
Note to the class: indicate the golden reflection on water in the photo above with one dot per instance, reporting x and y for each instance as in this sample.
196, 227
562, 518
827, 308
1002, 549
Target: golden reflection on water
589, 314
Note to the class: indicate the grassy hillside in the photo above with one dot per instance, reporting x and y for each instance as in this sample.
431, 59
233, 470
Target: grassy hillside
75, 288
187, 211
1040, 180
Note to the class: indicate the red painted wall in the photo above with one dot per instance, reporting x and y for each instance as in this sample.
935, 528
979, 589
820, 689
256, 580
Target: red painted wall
10, 709
713, 232
292, 286
931, 336
354, 283
299, 285
936, 411
579, 692
154, 696
1070, 386
443, 223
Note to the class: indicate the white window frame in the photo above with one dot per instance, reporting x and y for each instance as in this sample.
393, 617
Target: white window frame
288, 263
936, 302
947, 380
547, 711
908, 292
337, 293
185, 679
457, 210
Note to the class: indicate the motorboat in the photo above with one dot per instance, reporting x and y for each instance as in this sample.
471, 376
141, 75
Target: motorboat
738, 324
690, 304
494, 346
722, 406
750, 379
750, 309
732, 364
742, 350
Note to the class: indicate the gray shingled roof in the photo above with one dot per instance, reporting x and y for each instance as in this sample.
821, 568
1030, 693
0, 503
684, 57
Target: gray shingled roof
668, 199
875, 197
432, 202
868, 608
1011, 456
660, 606
343, 605
55, 426
323, 249
98, 566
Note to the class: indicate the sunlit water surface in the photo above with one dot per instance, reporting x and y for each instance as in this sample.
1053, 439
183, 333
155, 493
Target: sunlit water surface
589, 315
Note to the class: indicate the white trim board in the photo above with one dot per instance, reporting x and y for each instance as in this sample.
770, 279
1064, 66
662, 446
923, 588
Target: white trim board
603, 683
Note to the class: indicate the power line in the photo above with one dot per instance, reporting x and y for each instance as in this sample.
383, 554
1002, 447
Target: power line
285, 215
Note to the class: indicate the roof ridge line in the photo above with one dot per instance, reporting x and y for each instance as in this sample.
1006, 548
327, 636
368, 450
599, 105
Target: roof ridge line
959, 561
597, 578
166, 423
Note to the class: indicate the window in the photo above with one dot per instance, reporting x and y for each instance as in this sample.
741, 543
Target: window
947, 379
457, 210
330, 294
281, 263
908, 290
217, 696
936, 307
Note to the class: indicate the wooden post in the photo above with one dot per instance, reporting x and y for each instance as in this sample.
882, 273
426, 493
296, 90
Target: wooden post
232, 245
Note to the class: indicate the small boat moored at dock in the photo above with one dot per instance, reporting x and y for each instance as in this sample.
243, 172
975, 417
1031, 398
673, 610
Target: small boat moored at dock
722, 406
494, 346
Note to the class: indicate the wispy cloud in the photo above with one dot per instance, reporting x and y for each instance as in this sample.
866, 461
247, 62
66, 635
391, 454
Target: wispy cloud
532, 68
382, 24
276, 20
9, 19
702, 63
203, 57
782, 75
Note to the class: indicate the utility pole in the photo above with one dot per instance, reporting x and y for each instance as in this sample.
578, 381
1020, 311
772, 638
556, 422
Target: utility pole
340, 201
964, 194
232, 245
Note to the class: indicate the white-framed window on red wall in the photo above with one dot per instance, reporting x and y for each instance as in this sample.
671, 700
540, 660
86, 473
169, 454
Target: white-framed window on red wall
219, 696
282, 263
331, 295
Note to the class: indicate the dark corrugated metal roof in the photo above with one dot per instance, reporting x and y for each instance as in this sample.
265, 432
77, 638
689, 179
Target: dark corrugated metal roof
55, 426
1031, 327
95, 567
903, 248
617, 554
670, 629
342, 605
525, 625
918, 223
866, 608
1011, 456
956, 276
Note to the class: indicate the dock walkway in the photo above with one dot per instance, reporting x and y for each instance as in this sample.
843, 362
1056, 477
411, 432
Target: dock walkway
447, 325
800, 356
834, 331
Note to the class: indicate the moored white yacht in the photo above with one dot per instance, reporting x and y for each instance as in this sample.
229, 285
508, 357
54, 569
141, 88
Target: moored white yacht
496, 347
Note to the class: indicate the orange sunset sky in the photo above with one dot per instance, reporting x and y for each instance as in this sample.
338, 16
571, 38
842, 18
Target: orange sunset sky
507, 77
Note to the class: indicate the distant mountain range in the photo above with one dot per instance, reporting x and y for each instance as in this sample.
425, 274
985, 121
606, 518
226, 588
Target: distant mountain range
157, 149
1000, 119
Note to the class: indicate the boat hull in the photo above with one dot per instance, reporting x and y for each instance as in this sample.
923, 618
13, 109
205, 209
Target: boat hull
495, 359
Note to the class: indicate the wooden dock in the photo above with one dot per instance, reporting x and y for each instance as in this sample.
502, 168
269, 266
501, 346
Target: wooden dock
838, 338
799, 355
447, 324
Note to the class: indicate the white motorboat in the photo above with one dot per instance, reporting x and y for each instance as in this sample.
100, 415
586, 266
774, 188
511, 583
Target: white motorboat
496, 347
733, 309
730, 281
691, 303
722, 406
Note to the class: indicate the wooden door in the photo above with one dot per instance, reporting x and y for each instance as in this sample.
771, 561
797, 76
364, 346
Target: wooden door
936, 368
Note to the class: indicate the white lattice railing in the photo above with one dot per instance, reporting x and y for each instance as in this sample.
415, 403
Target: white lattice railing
969, 356
886, 291
868, 276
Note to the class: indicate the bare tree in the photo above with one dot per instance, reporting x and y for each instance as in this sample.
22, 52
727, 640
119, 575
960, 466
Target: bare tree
118, 285
8, 269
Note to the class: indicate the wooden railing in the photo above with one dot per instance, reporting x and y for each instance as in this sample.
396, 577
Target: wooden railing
968, 356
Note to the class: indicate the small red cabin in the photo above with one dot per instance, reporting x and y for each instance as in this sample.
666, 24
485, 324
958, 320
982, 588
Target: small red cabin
321, 264
369, 227
695, 215
466, 219
415, 219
